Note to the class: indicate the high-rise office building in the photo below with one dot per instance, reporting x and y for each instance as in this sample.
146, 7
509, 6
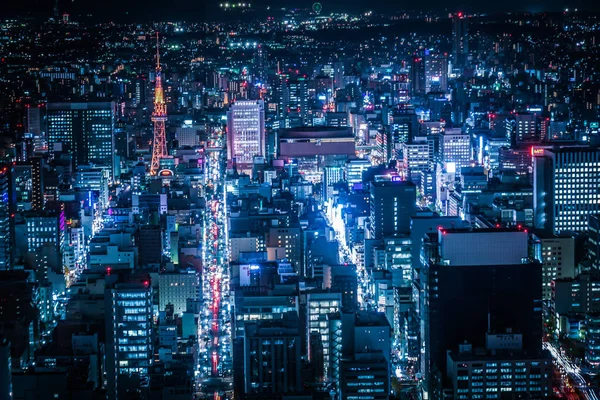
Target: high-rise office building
22, 187
272, 356
354, 169
557, 256
392, 204
436, 72
37, 184
404, 127
44, 227
318, 305
129, 350
360, 348
460, 39
293, 100
565, 188
525, 128
84, 130
332, 175
246, 133
479, 282
6, 220
417, 76
455, 149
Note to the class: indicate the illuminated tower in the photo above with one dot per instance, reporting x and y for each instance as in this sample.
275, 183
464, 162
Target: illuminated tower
159, 117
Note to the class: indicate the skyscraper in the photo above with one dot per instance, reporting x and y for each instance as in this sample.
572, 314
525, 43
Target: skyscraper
246, 133
272, 356
129, 351
293, 100
460, 39
481, 283
84, 130
566, 188
37, 184
417, 76
456, 148
436, 72
6, 225
392, 204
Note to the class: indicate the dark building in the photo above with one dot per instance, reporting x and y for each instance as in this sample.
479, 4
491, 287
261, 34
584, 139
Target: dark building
272, 356
6, 220
6, 389
149, 244
480, 283
594, 241
515, 159
37, 184
344, 280
316, 141
460, 39
365, 373
417, 76
392, 204
404, 127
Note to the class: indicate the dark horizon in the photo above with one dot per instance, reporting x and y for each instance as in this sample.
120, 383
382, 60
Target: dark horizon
149, 10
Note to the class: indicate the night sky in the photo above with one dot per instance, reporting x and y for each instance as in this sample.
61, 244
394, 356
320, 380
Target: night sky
202, 9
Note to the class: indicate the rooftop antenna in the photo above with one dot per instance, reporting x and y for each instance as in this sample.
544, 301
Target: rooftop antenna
157, 52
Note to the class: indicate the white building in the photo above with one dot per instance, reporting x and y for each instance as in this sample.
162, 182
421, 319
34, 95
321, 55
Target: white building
456, 150
246, 132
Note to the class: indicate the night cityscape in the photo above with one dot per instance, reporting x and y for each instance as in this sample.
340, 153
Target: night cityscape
251, 201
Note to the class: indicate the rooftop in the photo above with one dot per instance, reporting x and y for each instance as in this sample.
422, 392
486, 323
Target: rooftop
318, 132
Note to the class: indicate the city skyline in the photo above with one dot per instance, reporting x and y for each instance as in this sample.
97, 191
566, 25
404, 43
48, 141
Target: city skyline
328, 203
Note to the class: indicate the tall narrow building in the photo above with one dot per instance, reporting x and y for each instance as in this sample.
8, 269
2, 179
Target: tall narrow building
460, 39
6, 224
129, 350
246, 133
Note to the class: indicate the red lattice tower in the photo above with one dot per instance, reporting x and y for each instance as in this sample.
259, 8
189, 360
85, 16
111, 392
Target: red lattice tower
159, 118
